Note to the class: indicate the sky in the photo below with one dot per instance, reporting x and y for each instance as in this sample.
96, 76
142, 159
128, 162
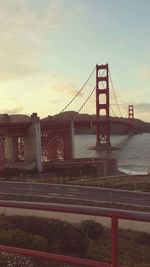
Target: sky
48, 48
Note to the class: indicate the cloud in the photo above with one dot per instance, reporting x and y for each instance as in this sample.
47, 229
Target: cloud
142, 107
25, 30
22, 18
12, 111
54, 85
63, 85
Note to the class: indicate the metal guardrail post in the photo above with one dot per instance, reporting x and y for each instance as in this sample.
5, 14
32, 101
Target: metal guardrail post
114, 222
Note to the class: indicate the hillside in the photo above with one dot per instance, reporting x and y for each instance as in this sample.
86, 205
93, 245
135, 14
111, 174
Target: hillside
118, 125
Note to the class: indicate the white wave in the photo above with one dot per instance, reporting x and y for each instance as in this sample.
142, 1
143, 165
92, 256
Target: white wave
133, 172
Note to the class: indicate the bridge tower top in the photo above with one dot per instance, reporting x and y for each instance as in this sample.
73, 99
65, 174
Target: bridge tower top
130, 112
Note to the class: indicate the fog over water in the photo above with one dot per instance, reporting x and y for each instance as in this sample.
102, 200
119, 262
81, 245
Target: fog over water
133, 156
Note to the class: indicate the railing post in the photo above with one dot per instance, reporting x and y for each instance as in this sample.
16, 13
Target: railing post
114, 222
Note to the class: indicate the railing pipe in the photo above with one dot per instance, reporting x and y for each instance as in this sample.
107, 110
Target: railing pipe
114, 223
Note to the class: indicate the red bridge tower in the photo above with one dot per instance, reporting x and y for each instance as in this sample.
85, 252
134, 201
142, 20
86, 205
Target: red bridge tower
131, 129
131, 112
102, 106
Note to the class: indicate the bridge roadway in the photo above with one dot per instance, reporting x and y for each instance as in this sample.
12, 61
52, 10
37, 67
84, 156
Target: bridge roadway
76, 192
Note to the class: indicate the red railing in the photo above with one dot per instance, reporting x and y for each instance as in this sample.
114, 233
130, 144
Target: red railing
74, 209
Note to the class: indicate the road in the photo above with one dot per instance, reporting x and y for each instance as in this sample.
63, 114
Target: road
77, 192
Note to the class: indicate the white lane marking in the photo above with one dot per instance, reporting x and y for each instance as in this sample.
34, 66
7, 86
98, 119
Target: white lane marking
73, 189
60, 195
23, 189
53, 194
132, 198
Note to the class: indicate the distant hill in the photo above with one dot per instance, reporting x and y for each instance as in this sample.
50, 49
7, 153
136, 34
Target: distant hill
117, 124
73, 115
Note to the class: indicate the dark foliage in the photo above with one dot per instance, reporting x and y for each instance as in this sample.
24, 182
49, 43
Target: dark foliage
93, 229
62, 237
18, 238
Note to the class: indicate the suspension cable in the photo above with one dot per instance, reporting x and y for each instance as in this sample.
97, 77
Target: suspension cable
115, 93
87, 99
112, 111
79, 91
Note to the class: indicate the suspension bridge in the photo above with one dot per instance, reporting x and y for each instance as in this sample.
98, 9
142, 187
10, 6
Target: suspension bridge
104, 115
29, 141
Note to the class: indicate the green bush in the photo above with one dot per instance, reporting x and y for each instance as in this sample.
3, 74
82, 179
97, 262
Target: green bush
143, 238
133, 254
5, 223
18, 238
62, 237
93, 229
75, 240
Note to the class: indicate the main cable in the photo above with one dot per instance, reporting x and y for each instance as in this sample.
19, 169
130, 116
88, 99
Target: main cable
86, 99
78, 91
112, 111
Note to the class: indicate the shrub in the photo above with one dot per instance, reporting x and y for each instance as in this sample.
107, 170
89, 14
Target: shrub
5, 223
62, 237
75, 241
93, 229
19, 238
143, 238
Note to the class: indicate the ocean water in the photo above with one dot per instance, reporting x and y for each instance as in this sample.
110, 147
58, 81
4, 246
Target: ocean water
133, 156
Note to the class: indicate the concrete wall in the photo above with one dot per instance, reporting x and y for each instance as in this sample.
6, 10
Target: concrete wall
32, 144
69, 145
8, 149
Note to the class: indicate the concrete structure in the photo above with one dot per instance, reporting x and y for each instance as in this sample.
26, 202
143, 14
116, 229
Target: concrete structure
20, 145
32, 144
83, 167
22, 149
28, 143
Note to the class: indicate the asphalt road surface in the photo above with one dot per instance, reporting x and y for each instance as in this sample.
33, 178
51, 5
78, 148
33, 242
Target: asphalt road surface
77, 192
